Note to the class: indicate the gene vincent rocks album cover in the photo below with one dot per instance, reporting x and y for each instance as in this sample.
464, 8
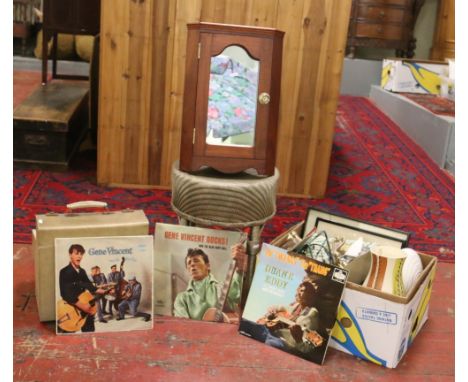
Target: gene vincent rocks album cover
103, 284
195, 275
293, 302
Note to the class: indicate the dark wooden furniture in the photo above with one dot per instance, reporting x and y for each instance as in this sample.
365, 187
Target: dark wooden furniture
50, 124
264, 46
67, 16
23, 19
383, 24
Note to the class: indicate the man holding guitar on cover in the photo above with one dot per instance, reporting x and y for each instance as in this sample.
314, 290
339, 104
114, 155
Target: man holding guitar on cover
291, 328
131, 300
202, 292
73, 281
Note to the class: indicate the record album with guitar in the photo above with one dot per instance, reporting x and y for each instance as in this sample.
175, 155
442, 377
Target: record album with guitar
103, 284
292, 303
195, 274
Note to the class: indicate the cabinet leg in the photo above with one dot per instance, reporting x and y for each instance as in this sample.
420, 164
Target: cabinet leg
351, 51
45, 40
411, 48
23, 46
53, 54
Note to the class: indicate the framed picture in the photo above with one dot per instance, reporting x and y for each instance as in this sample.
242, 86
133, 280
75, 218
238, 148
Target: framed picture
340, 226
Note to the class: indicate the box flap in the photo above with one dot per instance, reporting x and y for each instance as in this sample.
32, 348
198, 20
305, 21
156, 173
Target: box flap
428, 262
280, 240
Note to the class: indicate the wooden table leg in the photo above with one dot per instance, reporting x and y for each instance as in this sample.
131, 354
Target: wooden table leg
53, 54
45, 38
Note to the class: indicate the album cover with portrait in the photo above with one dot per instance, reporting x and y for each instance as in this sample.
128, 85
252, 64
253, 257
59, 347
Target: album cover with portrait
293, 302
103, 284
195, 276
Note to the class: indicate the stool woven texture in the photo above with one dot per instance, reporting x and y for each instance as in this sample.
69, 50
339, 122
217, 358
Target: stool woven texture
208, 197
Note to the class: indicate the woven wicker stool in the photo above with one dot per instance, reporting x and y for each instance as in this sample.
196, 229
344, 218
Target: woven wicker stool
210, 198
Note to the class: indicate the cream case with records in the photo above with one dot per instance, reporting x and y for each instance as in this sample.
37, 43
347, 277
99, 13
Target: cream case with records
75, 223
103, 284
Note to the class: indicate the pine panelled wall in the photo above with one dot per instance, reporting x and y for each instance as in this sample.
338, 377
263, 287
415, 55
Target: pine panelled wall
444, 37
142, 69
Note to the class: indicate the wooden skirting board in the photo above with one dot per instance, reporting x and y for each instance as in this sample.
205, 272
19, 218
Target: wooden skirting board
142, 73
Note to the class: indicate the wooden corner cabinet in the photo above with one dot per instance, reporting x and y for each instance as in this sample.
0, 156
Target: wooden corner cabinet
67, 16
231, 98
385, 24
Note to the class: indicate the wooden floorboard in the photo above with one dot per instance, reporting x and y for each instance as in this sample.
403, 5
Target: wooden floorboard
183, 350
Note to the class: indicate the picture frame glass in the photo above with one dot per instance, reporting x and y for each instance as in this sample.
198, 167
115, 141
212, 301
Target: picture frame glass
339, 226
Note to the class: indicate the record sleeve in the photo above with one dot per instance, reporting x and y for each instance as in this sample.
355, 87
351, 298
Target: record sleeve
195, 276
103, 284
292, 303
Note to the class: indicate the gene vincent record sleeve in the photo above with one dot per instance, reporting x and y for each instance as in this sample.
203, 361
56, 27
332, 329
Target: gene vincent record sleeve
121, 267
173, 281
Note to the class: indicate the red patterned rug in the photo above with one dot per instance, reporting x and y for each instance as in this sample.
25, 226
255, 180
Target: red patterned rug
434, 103
377, 174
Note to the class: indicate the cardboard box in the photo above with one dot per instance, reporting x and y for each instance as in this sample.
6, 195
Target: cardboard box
91, 224
412, 76
373, 325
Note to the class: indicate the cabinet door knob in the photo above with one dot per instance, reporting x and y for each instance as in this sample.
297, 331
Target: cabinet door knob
264, 98
382, 14
380, 29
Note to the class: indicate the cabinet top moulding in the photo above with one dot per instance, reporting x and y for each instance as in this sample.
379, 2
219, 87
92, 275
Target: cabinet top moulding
235, 29
386, 2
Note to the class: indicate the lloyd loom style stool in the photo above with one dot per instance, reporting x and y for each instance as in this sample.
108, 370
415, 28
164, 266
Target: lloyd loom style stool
235, 201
